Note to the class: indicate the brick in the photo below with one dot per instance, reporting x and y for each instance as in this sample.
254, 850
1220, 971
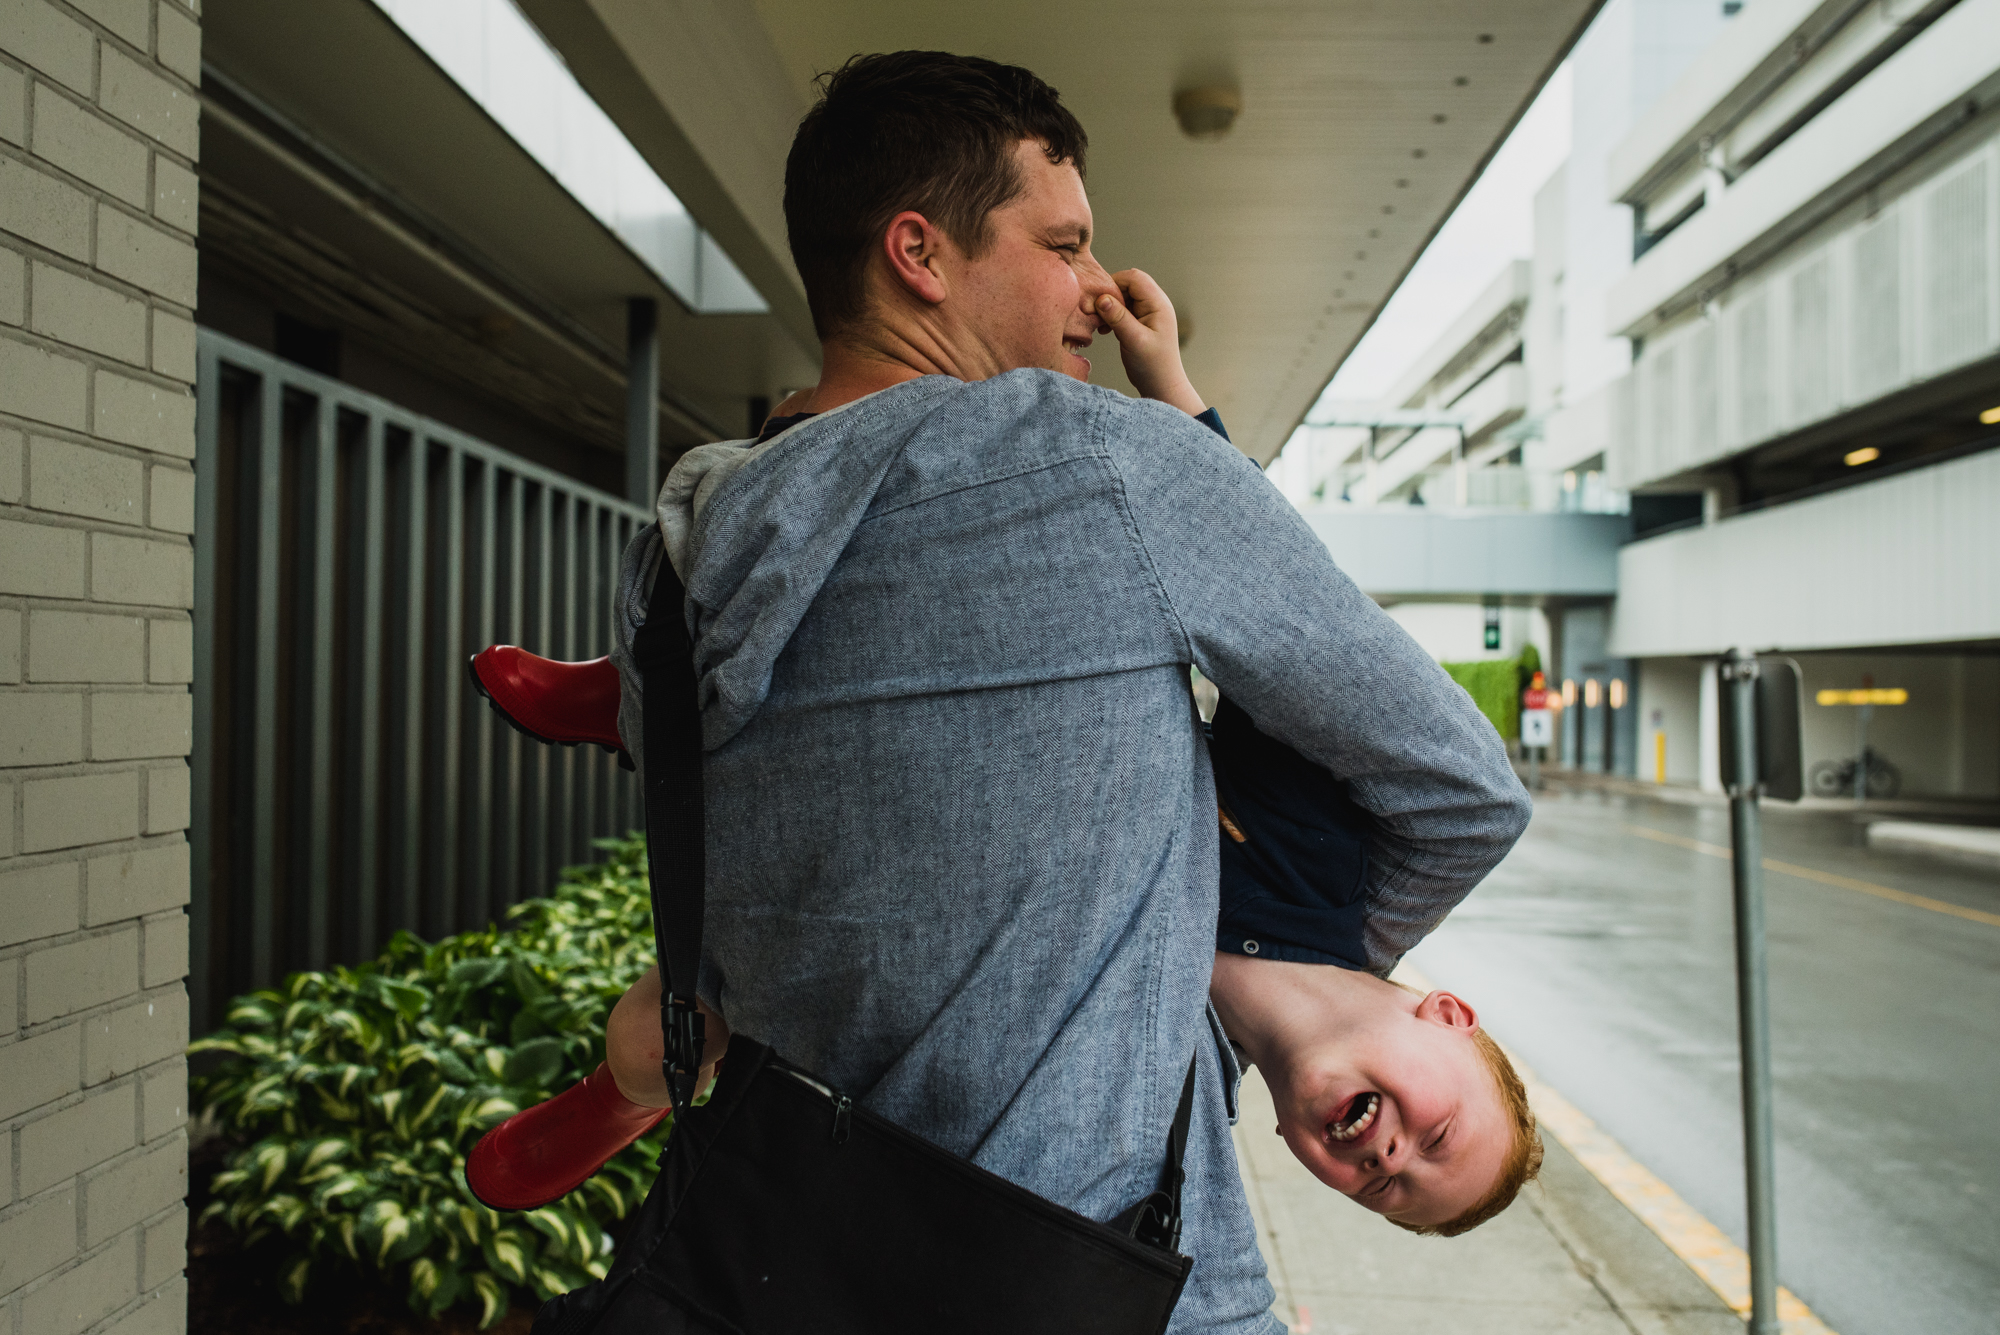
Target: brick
13, 286
145, 256
173, 346
37, 1238
85, 646
170, 507
122, 1195
13, 464
41, 385
78, 809
73, 310
10, 1007
140, 725
38, 901
40, 560
76, 480
172, 659
81, 1136
10, 656
89, 147
135, 570
135, 882
163, 1101
13, 105
38, 207
40, 1070
44, 37
165, 1251
155, 107
80, 1298
167, 794
163, 958
65, 979
38, 728
176, 194
133, 412
164, 1312
119, 1042
180, 43
127, 18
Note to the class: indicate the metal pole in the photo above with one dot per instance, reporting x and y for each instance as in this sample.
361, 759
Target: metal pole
1739, 674
1861, 718
642, 402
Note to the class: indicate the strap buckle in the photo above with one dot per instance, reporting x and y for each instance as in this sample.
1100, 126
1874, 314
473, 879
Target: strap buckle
1157, 1222
685, 1028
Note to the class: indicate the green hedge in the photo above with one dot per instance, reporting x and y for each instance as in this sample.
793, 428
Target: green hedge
352, 1098
1495, 685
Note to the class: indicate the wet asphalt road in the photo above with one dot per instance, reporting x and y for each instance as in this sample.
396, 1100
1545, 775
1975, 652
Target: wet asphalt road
1604, 957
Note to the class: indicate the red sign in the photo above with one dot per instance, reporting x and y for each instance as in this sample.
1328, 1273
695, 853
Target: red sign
1534, 699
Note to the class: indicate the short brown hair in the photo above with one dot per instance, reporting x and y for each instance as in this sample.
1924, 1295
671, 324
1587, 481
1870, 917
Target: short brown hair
1524, 1156
922, 130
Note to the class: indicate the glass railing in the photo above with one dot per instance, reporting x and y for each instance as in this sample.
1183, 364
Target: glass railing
1462, 487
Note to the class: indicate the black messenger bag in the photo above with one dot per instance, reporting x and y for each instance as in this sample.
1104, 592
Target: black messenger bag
781, 1208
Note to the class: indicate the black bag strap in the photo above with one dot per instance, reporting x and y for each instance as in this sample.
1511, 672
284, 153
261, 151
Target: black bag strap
676, 867
676, 855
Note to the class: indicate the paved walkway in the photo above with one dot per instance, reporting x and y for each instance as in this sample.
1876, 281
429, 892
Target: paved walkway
1567, 1259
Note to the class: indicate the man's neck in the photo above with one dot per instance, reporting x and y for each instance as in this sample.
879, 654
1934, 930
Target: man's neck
878, 352
1270, 1007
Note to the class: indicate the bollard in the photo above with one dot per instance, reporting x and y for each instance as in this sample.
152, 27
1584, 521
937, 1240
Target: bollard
1739, 678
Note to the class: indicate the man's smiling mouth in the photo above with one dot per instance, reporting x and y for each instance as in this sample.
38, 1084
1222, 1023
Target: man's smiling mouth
1355, 1119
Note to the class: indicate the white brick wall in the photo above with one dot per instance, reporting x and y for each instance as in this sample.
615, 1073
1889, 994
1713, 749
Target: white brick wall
99, 129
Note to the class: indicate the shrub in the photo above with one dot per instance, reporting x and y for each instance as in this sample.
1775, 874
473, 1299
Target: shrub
354, 1096
1495, 685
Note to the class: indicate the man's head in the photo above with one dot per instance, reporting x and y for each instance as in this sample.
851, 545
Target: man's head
938, 200
1398, 1100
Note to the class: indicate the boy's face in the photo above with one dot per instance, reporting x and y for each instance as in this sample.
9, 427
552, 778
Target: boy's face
1403, 1117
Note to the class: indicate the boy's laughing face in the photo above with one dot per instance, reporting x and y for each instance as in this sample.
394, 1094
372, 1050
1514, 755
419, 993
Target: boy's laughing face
1406, 1118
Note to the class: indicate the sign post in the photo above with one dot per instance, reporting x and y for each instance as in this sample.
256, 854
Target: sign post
1760, 754
1537, 726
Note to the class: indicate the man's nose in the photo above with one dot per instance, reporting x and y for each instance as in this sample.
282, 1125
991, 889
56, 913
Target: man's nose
1094, 282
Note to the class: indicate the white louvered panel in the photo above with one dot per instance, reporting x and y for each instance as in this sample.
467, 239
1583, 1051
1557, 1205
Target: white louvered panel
1957, 272
1704, 420
1810, 341
1875, 329
1753, 367
1663, 395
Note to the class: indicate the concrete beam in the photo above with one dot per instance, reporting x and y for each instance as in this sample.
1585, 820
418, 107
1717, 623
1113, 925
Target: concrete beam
1418, 553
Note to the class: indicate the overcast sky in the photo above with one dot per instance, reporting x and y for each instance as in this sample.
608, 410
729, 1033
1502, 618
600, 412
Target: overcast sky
1494, 224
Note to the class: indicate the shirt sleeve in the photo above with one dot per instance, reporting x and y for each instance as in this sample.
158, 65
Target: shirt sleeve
1268, 617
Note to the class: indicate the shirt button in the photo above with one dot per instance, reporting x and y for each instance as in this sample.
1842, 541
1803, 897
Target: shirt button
1250, 947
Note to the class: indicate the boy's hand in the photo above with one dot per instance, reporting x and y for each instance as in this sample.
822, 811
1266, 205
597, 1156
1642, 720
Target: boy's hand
1149, 340
634, 1046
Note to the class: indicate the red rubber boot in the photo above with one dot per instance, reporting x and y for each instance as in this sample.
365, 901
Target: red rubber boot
569, 704
544, 1153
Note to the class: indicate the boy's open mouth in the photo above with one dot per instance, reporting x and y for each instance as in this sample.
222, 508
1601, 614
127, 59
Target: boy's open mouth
1355, 1117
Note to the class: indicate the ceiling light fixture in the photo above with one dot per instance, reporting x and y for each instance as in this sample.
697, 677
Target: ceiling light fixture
1991, 417
1207, 112
1867, 454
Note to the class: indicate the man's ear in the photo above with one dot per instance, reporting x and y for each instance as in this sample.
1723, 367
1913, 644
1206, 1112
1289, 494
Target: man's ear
1448, 1010
912, 245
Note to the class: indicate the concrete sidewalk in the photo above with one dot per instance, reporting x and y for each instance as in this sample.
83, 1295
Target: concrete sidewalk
1568, 1257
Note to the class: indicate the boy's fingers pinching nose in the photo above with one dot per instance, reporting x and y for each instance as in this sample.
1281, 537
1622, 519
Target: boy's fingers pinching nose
1121, 321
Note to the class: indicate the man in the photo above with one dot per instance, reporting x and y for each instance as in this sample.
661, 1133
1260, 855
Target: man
961, 832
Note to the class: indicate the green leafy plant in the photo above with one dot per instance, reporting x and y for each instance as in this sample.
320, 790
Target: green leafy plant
1495, 685
353, 1097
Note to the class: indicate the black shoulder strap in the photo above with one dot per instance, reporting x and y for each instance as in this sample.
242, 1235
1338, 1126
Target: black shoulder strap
675, 851
1156, 1220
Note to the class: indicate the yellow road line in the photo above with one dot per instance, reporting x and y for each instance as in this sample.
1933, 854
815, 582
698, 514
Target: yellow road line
1705, 1249
1825, 878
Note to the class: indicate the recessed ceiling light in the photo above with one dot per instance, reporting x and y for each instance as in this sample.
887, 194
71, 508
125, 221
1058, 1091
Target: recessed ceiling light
1485, 37
1867, 454
1438, 118
1416, 152
1991, 417
1460, 81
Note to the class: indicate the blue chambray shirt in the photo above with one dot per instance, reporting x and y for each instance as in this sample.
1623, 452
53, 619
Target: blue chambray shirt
961, 826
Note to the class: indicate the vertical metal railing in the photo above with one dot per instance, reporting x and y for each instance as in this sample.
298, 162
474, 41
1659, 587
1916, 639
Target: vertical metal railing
348, 782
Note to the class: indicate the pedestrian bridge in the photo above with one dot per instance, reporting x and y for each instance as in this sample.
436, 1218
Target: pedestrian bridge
1416, 552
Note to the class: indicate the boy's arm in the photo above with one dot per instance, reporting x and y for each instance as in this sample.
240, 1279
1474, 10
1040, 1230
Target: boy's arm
635, 1048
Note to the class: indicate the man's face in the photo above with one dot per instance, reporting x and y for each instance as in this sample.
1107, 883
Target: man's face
1408, 1122
1030, 299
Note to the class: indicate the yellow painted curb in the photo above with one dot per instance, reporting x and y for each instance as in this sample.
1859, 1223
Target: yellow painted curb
1705, 1249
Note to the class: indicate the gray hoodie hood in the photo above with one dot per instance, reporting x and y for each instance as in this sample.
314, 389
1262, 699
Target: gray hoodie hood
754, 529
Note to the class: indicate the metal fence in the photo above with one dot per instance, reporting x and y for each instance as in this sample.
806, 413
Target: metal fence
348, 780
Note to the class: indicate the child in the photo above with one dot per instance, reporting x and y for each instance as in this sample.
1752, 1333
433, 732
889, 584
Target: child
1402, 1103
